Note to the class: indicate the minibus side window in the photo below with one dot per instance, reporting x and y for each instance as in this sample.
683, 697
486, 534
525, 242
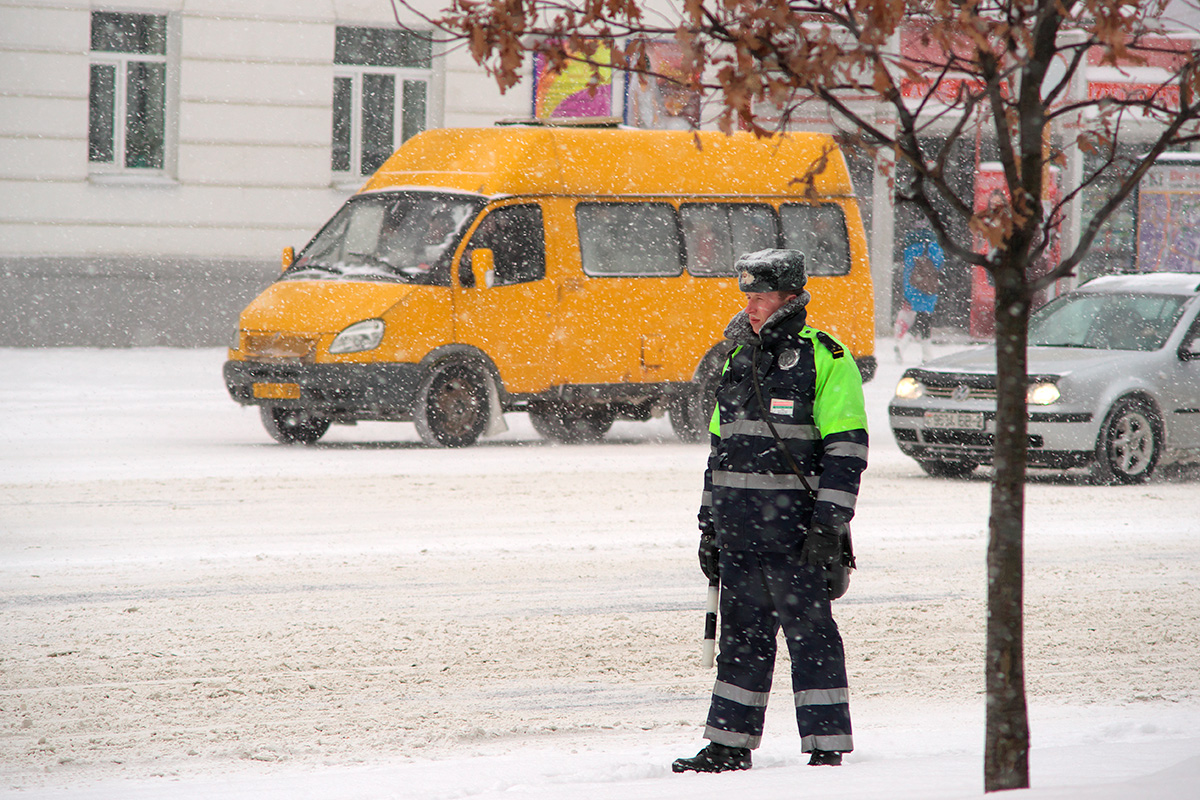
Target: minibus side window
706, 239
628, 239
715, 234
517, 239
819, 231
754, 228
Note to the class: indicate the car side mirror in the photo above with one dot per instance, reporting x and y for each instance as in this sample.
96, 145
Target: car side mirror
1191, 349
289, 258
483, 266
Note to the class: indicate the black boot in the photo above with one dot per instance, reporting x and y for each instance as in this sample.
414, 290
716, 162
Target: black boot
714, 758
825, 758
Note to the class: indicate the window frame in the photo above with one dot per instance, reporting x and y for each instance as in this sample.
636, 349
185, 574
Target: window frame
120, 62
357, 75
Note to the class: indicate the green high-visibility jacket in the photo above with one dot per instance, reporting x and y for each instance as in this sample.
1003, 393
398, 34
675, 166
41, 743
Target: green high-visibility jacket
812, 393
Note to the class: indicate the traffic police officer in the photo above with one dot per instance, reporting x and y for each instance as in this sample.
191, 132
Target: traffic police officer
789, 443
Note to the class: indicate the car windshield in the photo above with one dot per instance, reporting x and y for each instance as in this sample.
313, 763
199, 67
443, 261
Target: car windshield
1106, 321
393, 236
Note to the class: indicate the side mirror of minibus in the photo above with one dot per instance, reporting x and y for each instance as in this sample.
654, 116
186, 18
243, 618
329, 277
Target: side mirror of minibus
483, 266
289, 258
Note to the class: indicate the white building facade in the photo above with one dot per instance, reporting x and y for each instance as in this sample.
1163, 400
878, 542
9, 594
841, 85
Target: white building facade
155, 156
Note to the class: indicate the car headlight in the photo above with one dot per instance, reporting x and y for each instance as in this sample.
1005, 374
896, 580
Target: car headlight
360, 336
235, 341
909, 388
1042, 394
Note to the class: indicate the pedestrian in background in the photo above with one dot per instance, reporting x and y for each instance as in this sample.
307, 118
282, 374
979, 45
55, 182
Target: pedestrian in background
789, 443
923, 262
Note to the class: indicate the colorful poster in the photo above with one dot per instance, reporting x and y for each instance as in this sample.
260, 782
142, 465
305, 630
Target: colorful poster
991, 191
572, 93
1168, 231
662, 99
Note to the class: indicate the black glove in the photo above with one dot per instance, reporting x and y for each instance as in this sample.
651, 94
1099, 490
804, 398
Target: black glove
822, 546
709, 554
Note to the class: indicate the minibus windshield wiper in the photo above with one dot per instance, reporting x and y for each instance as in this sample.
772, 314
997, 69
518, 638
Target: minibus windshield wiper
408, 274
310, 267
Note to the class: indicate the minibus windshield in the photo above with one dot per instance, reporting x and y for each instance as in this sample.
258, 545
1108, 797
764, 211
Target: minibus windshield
393, 236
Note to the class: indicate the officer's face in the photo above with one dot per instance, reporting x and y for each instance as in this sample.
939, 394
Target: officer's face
761, 305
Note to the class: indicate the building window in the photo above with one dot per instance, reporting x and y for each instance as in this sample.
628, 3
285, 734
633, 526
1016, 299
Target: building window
127, 118
380, 95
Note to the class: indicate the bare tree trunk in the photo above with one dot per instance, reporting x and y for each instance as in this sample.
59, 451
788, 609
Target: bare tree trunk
1006, 748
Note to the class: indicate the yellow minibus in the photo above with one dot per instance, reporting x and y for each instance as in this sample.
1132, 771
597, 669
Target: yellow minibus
578, 275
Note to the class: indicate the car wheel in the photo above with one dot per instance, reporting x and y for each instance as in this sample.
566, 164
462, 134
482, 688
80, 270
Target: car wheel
1129, 444
570, 423
452, 405
293, 425
947, 469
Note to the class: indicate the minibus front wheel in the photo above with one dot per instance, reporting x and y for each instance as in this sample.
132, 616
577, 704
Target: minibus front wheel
452, 408
293, 425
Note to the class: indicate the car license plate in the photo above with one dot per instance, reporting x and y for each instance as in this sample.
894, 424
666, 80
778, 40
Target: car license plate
967, 420
277, 391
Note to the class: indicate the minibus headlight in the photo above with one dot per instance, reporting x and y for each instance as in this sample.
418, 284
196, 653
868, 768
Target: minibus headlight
1042, 394
360, 336
909, 389
235, 341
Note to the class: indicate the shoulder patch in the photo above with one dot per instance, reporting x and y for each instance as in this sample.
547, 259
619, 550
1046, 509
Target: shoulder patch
831, 345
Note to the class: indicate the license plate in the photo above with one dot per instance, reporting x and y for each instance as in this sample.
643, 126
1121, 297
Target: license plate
965, 420
277, 391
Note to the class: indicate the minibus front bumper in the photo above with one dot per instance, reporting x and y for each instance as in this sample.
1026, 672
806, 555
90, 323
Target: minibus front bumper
359, 391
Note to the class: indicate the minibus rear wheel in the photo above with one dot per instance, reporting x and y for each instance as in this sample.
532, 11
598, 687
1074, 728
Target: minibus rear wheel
684, 413
293, 425
571, 423
691, 411
452, 406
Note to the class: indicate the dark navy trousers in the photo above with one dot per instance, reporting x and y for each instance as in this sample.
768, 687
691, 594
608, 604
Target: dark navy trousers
760, 593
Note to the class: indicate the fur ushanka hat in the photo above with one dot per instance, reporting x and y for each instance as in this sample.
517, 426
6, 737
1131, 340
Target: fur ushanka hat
772, 271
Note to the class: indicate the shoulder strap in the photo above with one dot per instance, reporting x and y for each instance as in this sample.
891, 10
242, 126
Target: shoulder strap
729, 358
835, 349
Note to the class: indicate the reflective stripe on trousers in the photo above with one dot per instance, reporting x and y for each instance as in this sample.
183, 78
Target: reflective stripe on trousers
760, 593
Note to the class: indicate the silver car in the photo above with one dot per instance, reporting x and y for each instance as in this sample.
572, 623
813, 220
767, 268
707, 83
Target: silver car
1114, 384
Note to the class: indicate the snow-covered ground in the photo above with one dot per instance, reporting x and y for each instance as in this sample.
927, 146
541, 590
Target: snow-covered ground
189, 610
